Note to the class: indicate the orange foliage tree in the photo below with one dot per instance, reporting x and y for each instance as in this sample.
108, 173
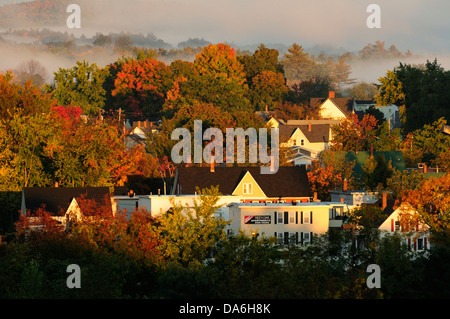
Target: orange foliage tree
142, 84
329, 172
91, 153
431, 200
353, 134
129, 235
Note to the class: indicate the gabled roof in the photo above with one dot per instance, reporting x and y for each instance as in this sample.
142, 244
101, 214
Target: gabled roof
253, 181
288, 181
56, 199
320, 133
344, 104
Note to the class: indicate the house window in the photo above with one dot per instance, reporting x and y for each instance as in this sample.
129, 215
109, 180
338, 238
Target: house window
295, 142
307, 217
291, 217
420, 244
280, 219
280, 237
332, 213
306, 238
248, 188
293, 238
302, 142
397, 225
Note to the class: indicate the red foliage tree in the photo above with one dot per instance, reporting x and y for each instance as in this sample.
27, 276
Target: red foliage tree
142, 84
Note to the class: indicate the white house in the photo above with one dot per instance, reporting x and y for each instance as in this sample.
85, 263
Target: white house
306, 138
416, 234
289, 222
62, 203
390, 112
340, 108
157, 205
137, 132
353, 198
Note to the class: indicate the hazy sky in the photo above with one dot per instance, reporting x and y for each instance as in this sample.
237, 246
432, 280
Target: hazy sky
418, 25
409, 24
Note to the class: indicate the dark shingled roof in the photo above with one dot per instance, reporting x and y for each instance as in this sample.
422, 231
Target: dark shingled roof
57, 198
288, 181
320, 133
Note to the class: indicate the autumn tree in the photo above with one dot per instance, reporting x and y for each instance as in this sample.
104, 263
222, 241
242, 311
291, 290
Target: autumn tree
268, 88
17, 100
24, 130
303, 91
354, 134
89, 153
377, 51
265, 77
221, 78
390, 90
431, 202
189, 234
297, 64
363, 91
142, 85
403, 181
81, 85
431, 142
341, 74
328, 172
263, 59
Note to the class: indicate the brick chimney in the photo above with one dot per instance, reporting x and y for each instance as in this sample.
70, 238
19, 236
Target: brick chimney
331, 94
384, 201
344, 187
309, 127
315, 197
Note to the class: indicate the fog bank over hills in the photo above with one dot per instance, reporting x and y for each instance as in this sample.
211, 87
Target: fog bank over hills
328, 27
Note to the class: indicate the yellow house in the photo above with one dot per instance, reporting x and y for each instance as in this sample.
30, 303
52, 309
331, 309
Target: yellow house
288, 184
274, 122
